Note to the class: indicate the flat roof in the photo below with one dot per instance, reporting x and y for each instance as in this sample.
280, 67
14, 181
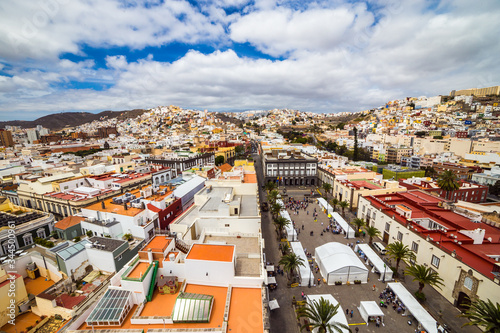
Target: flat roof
211, 252
157, 244
240, 311
139, 270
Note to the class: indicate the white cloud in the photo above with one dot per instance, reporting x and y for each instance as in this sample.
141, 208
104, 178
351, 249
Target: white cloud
335, 59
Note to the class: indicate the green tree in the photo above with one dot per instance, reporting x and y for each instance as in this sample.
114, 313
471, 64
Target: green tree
275, 209
358, 223
285, 248
448, 181
335, 202
372, 232
355, 155
430, 172
484, 314
290, 263
495, 188
343, 205
271, 186
399, 251
424, 275
327, 187
273, 196
280, 222
219, 160
319, 315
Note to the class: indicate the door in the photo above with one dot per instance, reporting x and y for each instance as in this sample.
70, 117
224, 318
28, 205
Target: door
386, 237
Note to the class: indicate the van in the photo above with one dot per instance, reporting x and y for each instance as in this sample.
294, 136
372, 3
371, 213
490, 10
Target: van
380, 248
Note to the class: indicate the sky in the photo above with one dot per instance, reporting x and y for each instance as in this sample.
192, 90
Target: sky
228, 55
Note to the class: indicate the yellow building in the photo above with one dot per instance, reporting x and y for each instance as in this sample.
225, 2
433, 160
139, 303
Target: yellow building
227, 152
12, 294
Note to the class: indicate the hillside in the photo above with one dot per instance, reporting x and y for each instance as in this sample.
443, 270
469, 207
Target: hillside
58, 121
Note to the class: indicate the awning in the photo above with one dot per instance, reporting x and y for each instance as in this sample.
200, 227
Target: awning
270, 268
271, 280
273, 304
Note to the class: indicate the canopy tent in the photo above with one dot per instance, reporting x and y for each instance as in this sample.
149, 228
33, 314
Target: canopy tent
339, 316
378, 264
270, 268
325, 205
306, 276
291, 234
343, 224
370, 309
273, 304
413, 306
271, 280
338, 262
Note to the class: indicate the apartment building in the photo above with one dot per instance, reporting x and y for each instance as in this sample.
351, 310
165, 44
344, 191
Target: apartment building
462, 172
467, 192
463, 252
6, 138
181, 161
395, 154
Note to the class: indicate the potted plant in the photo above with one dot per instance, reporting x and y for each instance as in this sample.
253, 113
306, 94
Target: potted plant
338, 283
357, 281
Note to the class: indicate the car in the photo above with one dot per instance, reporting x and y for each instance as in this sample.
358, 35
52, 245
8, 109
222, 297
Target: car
380, 248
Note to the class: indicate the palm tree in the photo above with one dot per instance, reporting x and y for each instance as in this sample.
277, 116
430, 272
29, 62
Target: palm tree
270, 186
290, 263
358, 223
484, 314
327, 187
273, 196
335, 202
424, 275
343, 205
448, 181
320, 314
399, 251
280, 222
285, 248
275, 209
372, 232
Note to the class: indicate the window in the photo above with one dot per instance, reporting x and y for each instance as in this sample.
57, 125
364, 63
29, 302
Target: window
400, 236
374, 215
468, 283
119, 257
387, 227
435, 261
28, 239
364, 208
226, 225
40, 233
414, 247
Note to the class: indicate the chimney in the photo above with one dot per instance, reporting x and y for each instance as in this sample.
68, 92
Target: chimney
150, 256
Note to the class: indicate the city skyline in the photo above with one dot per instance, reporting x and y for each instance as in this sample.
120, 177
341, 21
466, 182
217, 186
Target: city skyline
329, 56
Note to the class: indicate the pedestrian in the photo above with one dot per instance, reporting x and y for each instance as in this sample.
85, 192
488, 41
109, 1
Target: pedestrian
346, 312
352, 312
319, 281
357, 330
374, 287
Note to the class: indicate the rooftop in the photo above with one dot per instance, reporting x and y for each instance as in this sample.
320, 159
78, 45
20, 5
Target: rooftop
211, 252
158, 244
69, 222
109, 244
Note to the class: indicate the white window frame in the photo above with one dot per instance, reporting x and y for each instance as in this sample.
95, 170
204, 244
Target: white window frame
435, 261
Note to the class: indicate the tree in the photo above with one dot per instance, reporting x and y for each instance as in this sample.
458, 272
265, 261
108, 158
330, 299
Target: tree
355, 155
280, 222
275, 209
372, 232
320, 314
424, 275
484, 314
343, 205
448, 181
335, 202
219, 160
399, 251
495, 188
290, 263
358, 223
273, 196
270, 186
327, 187
239, 150
430, 172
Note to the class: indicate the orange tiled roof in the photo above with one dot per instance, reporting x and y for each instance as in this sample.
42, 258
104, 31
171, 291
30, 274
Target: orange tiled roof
68, 222
225, 167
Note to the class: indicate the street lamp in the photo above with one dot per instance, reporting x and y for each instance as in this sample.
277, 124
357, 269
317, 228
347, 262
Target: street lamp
383, 277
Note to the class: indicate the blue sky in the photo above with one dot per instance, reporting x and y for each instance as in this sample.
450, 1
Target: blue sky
321, 56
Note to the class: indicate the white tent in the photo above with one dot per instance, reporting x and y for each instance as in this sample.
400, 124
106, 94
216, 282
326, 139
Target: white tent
378, 263
414, 307
291, 234
339, 317
344, 225
338, 262
370, 309
304, 271
325, 205
274, 304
